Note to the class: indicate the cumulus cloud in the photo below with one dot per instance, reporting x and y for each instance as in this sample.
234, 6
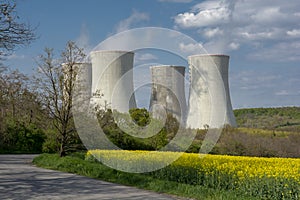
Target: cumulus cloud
207, 14
133, 19
293, 33
234, 46
191, 48
212, 32
229, 25
141, 58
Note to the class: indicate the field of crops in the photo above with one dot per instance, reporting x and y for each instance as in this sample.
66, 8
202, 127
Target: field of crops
267, 178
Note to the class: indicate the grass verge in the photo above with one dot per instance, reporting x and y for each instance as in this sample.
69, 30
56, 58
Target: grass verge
75, 163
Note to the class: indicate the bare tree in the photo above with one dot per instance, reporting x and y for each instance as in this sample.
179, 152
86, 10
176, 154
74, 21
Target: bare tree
12, 32
58, 82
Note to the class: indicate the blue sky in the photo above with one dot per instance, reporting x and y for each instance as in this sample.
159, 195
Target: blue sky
261, 37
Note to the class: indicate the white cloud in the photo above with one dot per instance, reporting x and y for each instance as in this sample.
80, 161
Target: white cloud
271, 34
234, 46
268, 15
142, 58
293, 33
208, 17
176, 1
146, 57
191, 48
133, 19
212, 32
233, 24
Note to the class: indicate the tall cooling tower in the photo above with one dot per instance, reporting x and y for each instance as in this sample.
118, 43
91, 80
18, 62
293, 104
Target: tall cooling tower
83, 81
209, 90
113, 78
167, 95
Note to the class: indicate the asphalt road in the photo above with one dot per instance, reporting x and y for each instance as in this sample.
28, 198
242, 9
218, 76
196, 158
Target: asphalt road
19, 179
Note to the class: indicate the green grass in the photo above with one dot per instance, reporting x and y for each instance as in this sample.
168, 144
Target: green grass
75, 163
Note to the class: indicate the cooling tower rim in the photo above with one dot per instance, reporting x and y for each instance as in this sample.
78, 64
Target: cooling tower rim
110, 51
209, 55
164, 66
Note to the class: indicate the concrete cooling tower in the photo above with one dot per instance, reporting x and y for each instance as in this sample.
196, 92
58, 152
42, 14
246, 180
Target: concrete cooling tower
82, 91
167, 94
209, 92
83, 79
113, 78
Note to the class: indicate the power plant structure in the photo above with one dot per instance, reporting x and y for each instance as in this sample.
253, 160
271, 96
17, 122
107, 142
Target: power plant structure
112, 77
209, 90
167, 92
82, 73
110, 74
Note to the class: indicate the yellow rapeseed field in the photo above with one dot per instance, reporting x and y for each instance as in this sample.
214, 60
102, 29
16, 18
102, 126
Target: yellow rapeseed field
270, 178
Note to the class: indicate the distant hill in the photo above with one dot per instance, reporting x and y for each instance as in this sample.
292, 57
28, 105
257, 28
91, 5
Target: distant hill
282, 118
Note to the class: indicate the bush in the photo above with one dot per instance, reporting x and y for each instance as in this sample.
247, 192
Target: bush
51, 144
19, 138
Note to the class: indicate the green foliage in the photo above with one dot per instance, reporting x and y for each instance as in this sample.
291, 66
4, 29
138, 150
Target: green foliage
252, 142
19, 138
141, 118
51, 144
283, 118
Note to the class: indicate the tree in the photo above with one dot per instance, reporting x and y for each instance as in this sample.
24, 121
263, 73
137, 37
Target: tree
57, 86
20, 114
12, 32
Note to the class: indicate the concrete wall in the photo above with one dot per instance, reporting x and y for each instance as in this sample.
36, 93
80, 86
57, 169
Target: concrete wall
113, 77
209, 92
167, 93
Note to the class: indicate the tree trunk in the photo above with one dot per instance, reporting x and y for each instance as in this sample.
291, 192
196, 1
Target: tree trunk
62, 151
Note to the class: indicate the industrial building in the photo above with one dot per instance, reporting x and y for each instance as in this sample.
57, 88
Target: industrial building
167, 92
112, 77
209, 92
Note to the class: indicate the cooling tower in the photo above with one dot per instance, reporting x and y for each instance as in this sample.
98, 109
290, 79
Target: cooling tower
113, 78
209, 90
83, 72
167, 94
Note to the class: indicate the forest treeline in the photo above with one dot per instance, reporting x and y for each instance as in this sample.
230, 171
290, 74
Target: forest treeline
27, 126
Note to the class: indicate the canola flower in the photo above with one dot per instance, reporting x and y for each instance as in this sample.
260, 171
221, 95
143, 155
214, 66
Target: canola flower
269, 178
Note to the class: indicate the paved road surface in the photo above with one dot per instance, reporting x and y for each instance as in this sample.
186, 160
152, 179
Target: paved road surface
20, 180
